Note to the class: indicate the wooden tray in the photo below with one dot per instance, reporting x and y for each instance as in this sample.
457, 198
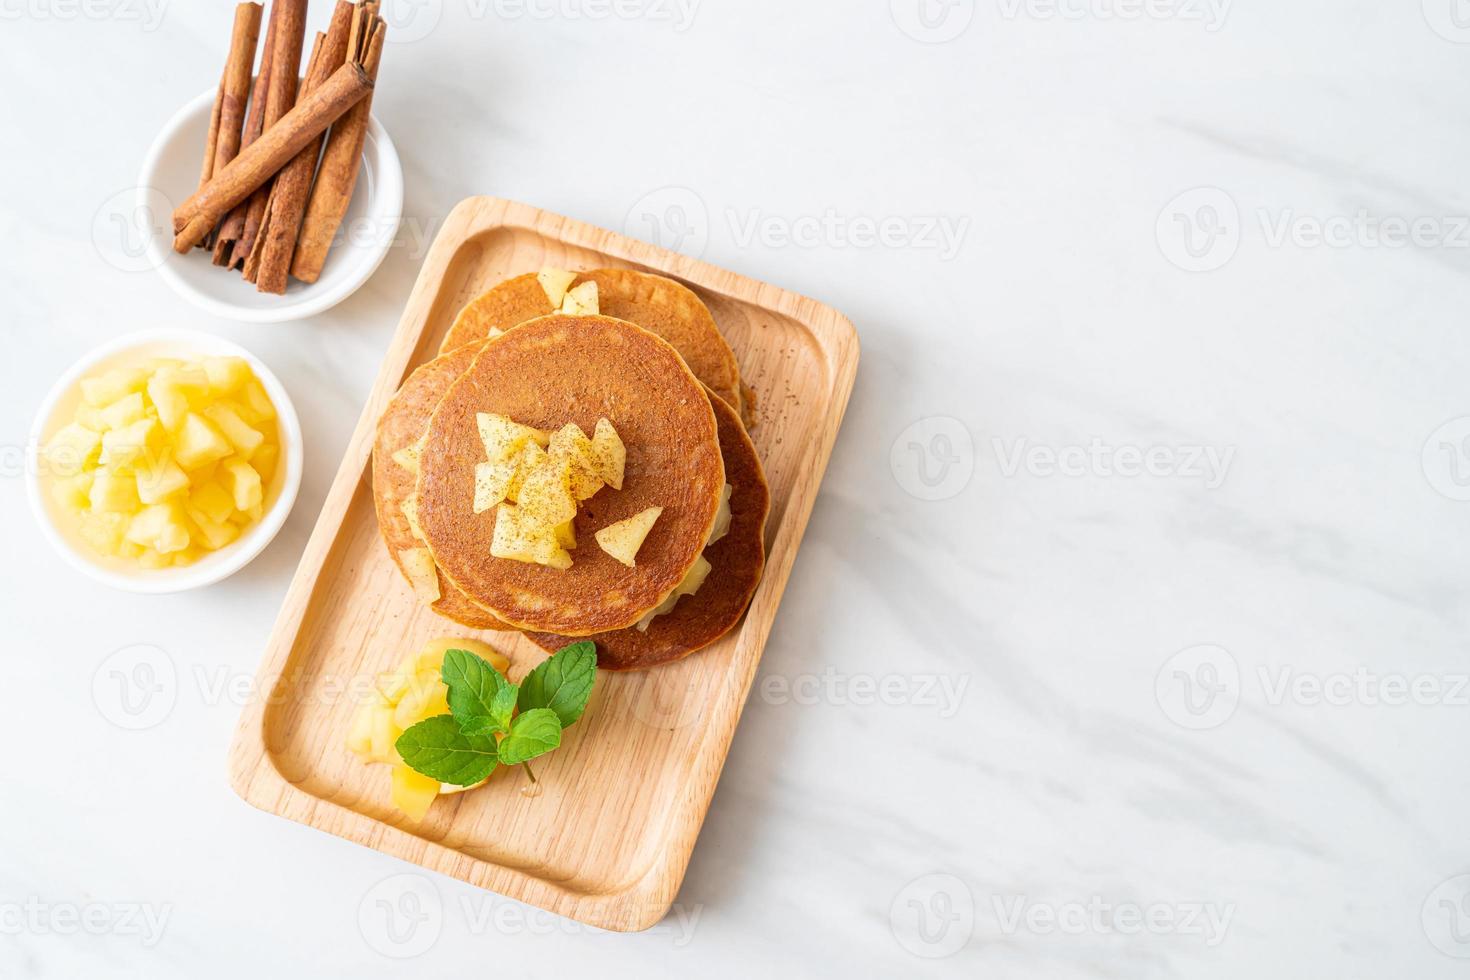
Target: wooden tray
607, 838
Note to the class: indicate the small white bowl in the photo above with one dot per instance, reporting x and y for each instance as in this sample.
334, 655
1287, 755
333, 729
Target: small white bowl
57, 410
171, 173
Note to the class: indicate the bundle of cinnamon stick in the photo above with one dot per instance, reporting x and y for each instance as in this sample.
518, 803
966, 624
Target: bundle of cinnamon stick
270, 198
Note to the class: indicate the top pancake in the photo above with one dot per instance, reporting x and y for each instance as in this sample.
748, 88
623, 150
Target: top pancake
655, 303
736, 562
400, 426
546, 373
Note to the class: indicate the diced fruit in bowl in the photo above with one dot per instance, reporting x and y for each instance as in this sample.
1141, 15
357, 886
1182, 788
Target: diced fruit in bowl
165, 462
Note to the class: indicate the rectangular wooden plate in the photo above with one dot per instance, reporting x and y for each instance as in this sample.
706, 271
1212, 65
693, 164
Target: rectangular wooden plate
607, 838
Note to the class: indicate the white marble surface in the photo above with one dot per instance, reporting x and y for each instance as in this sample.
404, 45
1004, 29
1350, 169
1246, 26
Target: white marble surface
1032, 747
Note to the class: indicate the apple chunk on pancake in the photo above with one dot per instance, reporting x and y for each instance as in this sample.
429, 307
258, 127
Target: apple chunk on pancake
563, 369
736, 561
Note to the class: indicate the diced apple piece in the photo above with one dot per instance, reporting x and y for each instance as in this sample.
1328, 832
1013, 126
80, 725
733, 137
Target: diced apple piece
623, 538
256, 403
431, 657
572, 443
264, 460
158, 482
410, 509
532, 457
74, 492
113, 492
241, 436
226, 374
169, 401
611, 454
394, 684
566, 535
546, 494
504, 438
418, 565
123, 412
408, 456
242, 483
520, 538
385, 733
493, 482
151, 559
160, 527
109, 387
142, 442
71, 449
581, 300
211, 501
555, 282
199, 443
413, 792
213, 535
722, 517
691, 584
188, 556
425, 698
360, 735
104, 532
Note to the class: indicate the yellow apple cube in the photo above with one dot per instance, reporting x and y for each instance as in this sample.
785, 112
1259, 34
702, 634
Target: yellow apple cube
107, 388
611, 454
385, 733
426, 697
71, 449
546, 494
104, 532
210, 501
623, 538
199, 443
431, 657
581, 300
242, 483
241, 436
423, 575
566, 535
161, 527
264, 460
226, 374
74, 492
521, 538
504, 438
493, 482
143, 442
555, 282
113, 492
169, 401
158, 482
360, 735
123, 412
212, 535
256, 403
413, 792
571, 443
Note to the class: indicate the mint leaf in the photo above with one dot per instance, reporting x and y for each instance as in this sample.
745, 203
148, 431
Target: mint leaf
563, 683
475, 690
438, 748
533, 733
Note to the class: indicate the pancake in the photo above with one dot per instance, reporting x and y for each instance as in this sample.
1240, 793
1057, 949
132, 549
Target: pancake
546, 373
737, 561
401, 425
655, 303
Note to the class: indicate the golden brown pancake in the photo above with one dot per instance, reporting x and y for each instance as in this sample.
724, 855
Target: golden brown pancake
400, 426
546, 373
655, 303
736, 562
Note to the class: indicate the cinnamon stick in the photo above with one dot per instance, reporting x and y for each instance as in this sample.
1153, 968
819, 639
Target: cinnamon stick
223, 141
234, 224
288, 21
265, 157
292, 185
341, 161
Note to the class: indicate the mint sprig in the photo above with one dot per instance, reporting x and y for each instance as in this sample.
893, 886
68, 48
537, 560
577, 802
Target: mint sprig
493, 722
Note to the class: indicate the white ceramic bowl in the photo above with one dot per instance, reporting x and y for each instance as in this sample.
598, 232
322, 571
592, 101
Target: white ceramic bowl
57, 410
171, 173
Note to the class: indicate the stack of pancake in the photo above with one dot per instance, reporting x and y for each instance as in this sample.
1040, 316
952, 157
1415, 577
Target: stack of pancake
551, 348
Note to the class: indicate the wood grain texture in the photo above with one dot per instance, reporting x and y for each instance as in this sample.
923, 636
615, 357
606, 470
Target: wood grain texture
609, 837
